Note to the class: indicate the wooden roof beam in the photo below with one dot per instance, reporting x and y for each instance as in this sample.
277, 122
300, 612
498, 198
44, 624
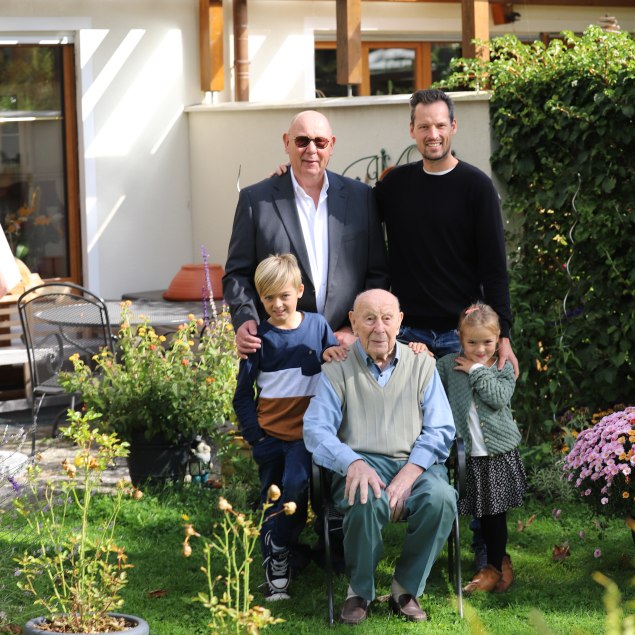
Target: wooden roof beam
475, 25
349, 41
210, 25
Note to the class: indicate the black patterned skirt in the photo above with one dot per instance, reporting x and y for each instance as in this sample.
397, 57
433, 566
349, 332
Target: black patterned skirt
493, 484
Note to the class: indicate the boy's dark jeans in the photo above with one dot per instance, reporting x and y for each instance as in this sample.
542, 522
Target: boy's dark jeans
286, 464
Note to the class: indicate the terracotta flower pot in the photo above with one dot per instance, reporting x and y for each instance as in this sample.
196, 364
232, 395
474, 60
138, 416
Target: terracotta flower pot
189, 283
137, 626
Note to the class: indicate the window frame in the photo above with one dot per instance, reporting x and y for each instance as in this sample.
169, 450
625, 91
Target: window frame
423, 59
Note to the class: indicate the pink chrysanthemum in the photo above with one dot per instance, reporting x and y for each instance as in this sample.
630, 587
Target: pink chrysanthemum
600, 464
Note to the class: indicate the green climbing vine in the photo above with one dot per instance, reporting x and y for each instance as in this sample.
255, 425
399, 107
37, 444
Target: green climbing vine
562, 120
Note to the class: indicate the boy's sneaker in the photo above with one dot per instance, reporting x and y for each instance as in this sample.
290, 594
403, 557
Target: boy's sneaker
277, 573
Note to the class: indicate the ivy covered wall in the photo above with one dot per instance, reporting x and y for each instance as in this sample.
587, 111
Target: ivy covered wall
563, 123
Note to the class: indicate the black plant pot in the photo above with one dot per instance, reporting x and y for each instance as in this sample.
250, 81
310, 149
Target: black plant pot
157, 461
137, 626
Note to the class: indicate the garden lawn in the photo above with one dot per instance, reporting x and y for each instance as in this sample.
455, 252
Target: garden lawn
547, 596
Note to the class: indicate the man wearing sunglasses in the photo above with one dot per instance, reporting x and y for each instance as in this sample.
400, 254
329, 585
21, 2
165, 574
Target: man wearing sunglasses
329, 222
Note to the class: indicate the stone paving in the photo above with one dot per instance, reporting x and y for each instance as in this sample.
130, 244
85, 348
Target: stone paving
15, 454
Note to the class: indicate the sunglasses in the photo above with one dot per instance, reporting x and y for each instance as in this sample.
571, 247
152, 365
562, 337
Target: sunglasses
303, 142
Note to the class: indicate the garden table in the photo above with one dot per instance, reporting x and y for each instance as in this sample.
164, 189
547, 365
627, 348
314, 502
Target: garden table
159, 314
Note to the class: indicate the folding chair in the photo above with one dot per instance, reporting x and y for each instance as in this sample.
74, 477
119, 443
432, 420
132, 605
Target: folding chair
320, 495
60, 319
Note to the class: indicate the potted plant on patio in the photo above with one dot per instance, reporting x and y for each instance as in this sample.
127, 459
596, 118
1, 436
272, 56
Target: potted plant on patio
78, 569
163, 394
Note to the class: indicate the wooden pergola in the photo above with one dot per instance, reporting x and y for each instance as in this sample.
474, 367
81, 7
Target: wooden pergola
475, 20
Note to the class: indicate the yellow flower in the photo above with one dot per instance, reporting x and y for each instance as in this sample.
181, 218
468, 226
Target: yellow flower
187, 550
69, 468
224, 505
273, 493
625, 494
289, 508
190, 531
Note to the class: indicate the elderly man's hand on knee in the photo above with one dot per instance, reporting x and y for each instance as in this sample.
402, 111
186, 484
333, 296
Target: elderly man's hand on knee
359, 476
399, 490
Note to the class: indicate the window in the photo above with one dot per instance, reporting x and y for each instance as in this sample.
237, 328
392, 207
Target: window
388, 68
38, 158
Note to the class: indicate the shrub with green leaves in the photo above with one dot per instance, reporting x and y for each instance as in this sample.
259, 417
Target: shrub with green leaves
562, 119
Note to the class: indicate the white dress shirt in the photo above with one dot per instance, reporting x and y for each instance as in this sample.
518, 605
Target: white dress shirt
314, 224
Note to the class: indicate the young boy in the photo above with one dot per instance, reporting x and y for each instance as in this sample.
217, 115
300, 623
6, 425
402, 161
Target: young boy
286, 371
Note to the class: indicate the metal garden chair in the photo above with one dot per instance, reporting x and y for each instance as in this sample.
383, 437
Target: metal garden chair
60, 319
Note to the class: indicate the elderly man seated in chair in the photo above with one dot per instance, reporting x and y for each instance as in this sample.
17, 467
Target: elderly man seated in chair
382, 423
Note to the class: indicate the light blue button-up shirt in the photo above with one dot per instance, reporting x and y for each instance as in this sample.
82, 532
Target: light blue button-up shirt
323, 418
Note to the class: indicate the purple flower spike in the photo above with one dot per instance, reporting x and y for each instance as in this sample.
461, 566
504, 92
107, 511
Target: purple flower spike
14, 484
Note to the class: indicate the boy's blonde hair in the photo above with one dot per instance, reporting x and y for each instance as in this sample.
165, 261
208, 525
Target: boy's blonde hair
276, 272
479, 314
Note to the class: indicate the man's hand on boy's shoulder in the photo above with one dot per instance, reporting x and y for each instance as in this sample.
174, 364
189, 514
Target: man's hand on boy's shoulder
335, 353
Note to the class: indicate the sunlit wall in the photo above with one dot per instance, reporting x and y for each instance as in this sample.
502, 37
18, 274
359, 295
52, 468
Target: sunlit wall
137, 69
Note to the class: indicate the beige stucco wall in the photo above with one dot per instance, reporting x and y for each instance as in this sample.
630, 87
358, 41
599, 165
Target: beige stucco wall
248, 137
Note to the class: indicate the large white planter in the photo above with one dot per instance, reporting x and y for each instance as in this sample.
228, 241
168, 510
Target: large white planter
138, 626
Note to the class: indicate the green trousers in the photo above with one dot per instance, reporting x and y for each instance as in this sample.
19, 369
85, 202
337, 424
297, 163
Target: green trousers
431, 509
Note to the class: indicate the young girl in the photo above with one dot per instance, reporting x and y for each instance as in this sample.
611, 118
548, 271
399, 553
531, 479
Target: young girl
480, 395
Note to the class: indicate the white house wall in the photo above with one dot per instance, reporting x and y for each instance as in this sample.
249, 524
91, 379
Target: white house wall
282, 35
137, 69
143, 214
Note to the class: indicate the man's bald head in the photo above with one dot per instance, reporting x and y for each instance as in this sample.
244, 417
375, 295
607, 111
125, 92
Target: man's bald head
376, 319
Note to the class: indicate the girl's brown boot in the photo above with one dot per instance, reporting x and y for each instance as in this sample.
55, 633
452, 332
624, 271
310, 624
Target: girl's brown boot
485, 580
508, 575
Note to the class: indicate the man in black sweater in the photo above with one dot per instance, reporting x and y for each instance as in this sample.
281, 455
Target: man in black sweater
446, 245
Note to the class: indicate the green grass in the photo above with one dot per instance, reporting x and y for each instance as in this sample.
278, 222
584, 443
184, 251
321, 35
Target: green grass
163, 583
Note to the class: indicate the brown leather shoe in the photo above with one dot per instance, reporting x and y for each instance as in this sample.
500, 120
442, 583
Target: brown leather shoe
508, 575
485, 580
408, 607
354, 610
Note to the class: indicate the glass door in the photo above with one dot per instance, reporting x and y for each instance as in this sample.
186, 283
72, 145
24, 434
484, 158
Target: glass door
38, 158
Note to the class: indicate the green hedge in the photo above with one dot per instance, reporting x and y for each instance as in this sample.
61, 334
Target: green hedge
562, 122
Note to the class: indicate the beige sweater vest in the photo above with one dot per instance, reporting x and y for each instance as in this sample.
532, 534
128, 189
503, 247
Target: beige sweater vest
380, 420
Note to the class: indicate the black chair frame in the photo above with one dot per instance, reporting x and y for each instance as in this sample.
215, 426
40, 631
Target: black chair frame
320, 495
50, 344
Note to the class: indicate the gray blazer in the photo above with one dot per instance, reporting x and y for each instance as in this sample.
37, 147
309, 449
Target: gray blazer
266, 222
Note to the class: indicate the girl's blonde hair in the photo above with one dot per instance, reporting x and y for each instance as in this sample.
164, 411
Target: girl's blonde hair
276, 272
479, 314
